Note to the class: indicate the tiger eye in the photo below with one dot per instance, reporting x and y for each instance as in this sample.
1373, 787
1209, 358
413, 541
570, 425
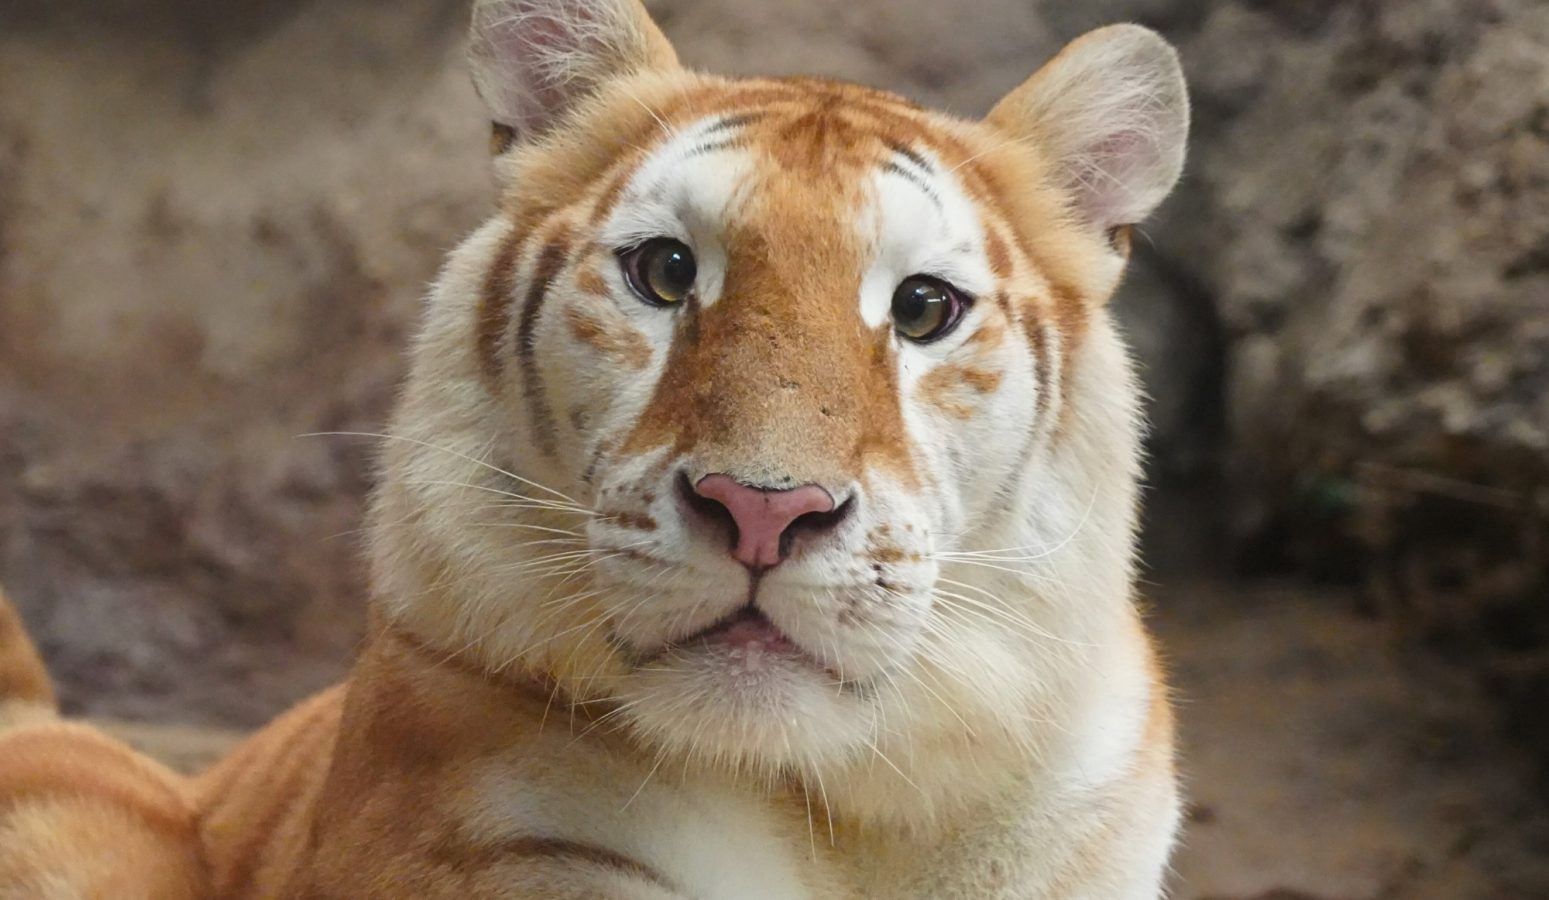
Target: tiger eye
925, 308
661, 271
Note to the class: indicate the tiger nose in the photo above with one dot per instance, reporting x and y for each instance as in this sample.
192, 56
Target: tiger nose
763, 520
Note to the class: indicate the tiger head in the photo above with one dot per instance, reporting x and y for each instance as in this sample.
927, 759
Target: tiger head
782, 417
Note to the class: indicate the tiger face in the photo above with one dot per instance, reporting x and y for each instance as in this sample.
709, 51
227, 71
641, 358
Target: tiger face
780, 422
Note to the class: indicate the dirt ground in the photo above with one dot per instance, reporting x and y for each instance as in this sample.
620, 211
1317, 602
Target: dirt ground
1319, 766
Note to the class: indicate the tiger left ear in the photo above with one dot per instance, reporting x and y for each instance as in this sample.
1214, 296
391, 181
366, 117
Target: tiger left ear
1111, 114
535, 60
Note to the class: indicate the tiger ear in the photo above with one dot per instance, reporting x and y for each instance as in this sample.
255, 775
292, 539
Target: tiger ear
1111, 112
534, 60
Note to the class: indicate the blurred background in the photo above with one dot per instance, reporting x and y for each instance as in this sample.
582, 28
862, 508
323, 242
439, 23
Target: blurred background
217, 221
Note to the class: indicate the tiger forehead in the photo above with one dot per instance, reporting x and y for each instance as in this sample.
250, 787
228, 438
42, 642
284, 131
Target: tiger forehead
811, 130
809, 124
784, 165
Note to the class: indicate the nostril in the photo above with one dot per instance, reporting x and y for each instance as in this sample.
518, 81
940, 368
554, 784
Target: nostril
816, 523
763, 521
708, 508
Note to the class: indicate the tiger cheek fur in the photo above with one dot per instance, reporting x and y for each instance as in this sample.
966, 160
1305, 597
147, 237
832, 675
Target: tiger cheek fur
804, 204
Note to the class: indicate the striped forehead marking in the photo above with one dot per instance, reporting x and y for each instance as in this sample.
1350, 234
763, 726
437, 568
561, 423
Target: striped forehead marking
715, 137
912, 156
730, 131
916, 170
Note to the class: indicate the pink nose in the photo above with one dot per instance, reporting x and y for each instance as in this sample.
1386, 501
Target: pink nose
762, 516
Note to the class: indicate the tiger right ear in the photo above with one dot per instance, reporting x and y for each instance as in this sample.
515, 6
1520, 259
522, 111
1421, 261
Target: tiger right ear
1111, 115
534, 60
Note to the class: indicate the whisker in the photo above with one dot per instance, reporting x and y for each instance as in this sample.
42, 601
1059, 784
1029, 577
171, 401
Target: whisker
516, 499
1006, 616
479, 462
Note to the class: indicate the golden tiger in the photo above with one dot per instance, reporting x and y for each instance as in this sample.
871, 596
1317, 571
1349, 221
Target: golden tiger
757, 520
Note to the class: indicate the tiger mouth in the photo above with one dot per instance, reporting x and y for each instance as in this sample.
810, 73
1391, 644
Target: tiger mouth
749, 636
745, 628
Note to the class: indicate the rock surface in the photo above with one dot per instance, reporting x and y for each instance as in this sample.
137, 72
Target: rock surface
215, 221
1369, 211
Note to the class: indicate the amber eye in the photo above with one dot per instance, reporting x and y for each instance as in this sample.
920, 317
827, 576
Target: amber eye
660, 270
926, 309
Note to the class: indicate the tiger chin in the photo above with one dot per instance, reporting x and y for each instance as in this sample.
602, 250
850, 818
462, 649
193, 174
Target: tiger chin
758, 515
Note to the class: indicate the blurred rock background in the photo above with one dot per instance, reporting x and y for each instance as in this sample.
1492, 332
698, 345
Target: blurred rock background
217, 219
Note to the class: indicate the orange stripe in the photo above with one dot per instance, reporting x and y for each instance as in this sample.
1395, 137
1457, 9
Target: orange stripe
1038, 342
550, 260
495, 306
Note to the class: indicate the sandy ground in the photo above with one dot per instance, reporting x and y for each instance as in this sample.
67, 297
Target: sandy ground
1322, 768
1319, 766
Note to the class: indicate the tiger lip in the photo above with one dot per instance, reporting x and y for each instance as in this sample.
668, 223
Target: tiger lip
748, 630
746, 627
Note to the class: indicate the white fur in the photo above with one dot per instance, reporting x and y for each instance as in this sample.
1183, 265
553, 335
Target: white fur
704, 835
671, 196
911, 235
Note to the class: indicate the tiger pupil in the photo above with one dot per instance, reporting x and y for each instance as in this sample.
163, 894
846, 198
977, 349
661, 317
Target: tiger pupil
671, 273
918, 309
